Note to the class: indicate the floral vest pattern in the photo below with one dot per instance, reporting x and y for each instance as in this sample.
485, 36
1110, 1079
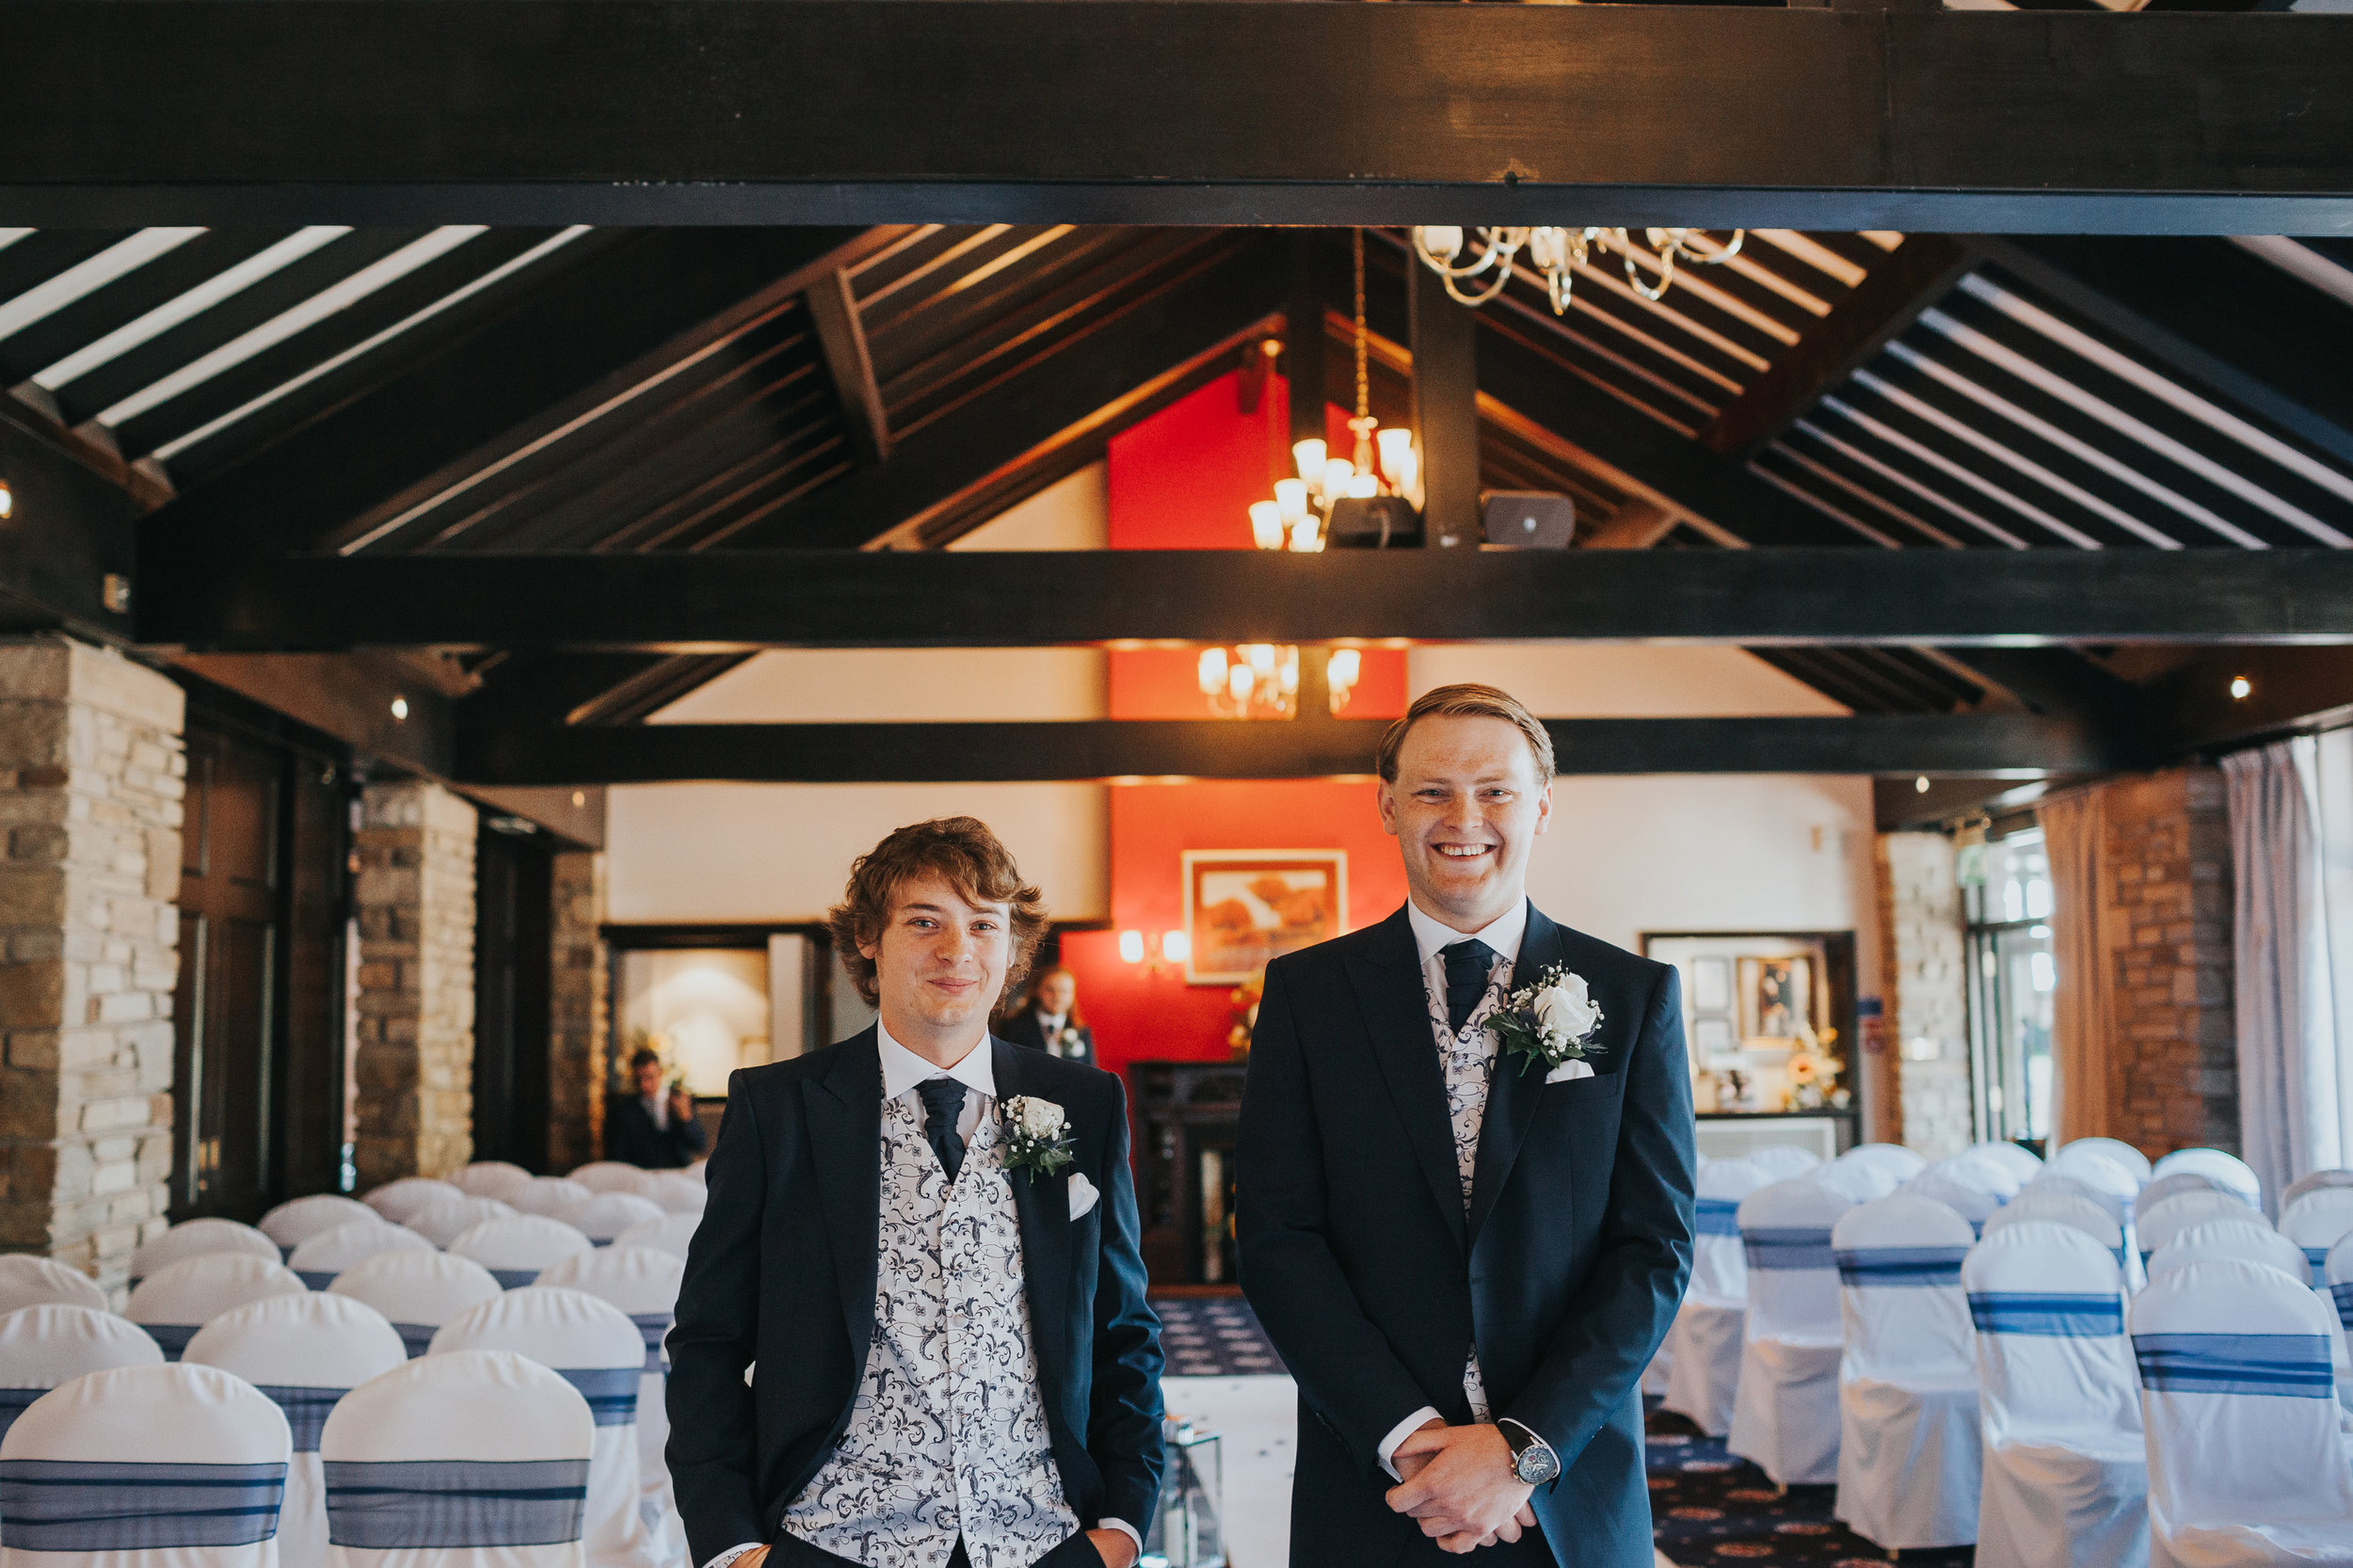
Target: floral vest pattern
948, 1435
1468, 1061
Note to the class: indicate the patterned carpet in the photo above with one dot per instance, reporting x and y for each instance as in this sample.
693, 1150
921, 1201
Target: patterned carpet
1213, 1337
1711, 1508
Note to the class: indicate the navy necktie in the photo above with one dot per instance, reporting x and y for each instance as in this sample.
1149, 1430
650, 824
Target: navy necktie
1468, 963
943, 1102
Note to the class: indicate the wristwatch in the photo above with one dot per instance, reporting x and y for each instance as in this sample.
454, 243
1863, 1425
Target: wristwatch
1532, 1459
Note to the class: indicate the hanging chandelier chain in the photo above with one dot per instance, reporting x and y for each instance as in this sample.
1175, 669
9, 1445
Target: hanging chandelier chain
1363, 391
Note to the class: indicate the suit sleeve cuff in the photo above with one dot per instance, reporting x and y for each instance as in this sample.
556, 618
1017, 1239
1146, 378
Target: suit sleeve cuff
1124, 1529
1398, 1433
730, 1555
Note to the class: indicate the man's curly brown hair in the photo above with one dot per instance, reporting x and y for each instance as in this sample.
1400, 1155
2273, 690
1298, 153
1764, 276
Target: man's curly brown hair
961, 852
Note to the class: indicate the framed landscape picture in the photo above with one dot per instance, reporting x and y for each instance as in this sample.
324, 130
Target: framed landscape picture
1243, 907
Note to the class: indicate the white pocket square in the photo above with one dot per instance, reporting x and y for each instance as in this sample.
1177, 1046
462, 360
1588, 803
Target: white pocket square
1568, 1070
1082, 1196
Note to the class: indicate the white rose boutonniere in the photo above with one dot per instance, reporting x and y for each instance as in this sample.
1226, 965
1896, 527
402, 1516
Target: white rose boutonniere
1068, 1043
1552, 1022
1037, 1136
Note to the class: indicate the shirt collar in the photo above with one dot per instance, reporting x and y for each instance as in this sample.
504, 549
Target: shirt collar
1503, 934
902, 1069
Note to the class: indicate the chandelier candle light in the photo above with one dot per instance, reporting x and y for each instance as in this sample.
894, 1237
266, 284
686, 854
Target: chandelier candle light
1554, 254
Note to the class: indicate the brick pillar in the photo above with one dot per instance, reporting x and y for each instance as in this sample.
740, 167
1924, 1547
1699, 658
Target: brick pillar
92, 779
577, 1018
2166, 875
1922, 966
415, 1050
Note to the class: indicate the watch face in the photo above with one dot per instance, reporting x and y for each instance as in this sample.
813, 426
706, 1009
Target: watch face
1536, 1465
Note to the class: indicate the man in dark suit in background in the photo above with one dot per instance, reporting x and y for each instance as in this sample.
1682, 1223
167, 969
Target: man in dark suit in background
1466, 1256
1050, 1022
653, 1129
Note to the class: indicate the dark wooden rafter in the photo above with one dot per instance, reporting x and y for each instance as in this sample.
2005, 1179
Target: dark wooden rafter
71, 527
1890, 298
1185, 111
841, 341
1443, 341
2022, 744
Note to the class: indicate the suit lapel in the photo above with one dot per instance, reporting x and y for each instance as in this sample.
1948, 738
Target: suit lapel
1042, 1205
1515, 1087
844, 1110
1395, 1008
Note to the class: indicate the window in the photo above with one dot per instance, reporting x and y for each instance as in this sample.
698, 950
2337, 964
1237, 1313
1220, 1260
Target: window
2006, 889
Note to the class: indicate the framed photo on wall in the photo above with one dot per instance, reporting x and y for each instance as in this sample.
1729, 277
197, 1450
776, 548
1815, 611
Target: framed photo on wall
1776, 999
1243, 907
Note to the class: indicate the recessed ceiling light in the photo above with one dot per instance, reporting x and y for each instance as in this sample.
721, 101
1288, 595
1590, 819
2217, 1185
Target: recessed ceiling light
400, 709
2240, 686
8, 501
1920, 785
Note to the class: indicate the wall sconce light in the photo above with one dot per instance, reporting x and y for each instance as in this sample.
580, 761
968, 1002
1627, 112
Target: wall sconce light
400, 710
1920, 785
2240, 687
7, 501
1156, 951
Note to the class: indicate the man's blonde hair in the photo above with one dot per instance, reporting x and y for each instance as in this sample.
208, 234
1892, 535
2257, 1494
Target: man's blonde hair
1466, 702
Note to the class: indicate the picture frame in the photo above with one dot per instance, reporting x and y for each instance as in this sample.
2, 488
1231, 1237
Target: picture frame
1713, 1040
1711, 985
1777, 1001
1246, 907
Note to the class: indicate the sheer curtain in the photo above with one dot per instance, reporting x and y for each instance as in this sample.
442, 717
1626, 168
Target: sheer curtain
2082, 1010
2290, 1041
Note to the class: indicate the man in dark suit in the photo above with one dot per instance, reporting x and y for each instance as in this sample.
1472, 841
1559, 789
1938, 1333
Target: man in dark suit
1050, 1022
1466, 1256
924, 1242
654, 1129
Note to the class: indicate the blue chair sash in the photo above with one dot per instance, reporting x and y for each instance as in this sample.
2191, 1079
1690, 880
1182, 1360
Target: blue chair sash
1718, 1217
1906, 1266
2342, 1296
610, 1391
431, 1503
172, 1337
306, 1411
2291, 1366
654, 1326
1802, 1248
415, 1338
66, 1506
515, 1279
2048, 1315
14, 1402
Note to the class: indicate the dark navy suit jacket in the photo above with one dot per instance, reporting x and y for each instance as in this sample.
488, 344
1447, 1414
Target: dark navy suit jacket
781, 1271
1373, 1283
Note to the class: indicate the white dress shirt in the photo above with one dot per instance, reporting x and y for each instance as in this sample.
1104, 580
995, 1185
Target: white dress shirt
1430, 939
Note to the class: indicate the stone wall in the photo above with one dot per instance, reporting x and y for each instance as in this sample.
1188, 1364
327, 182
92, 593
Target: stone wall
578, 1023
92, 776
1922, 968
414, 1056
2165, 882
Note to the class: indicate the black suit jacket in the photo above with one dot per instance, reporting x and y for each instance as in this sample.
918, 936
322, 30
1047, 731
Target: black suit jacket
1022, 1030
1373, 1285
781, 1271
629, 1136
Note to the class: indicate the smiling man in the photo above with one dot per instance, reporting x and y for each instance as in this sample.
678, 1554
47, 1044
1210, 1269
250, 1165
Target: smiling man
1465, 1253
920, 1245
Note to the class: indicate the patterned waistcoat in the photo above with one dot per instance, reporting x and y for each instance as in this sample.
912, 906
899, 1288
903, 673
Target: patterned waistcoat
1469, 1062
949, 1434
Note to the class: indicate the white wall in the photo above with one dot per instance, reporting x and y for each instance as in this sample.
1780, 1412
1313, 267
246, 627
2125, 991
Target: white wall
1609, 680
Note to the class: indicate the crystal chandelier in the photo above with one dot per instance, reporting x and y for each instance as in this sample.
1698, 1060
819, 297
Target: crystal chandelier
1260, 681
1555, 254
1384, 463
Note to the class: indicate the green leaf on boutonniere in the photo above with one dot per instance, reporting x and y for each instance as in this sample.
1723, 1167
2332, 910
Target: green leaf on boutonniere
1037, 1137
1552, 1022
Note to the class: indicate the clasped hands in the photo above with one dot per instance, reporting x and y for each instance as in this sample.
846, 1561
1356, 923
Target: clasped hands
1459, 1484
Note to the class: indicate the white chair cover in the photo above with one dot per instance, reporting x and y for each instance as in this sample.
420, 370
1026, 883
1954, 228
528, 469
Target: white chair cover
551, 1196
2170, 1185
1940, 1186
678, 1193
2126, 1158
318, 1260
298, 1220
612, 1175
1907, 1382
400, 1201
1865, 1182
1704, 1369
2065, 1210
516, 1250
28, 1279
1981, 1170
474, 1459
2179, 1212
643, 1283
2066, 1484
1897, 1160
1784, 1160
2316, 1220
144, 1468
593, 1346
670, 1234
1784, 1416
699, 1169
2242, 1237
43, 1346
306, 1352
492, 1179
450, 1218
2225, 1170
604, 1217
2020, 1161
418, 1291
201, 1239
2102, 1179
2246, 1463
173, 1303
2313, 1182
